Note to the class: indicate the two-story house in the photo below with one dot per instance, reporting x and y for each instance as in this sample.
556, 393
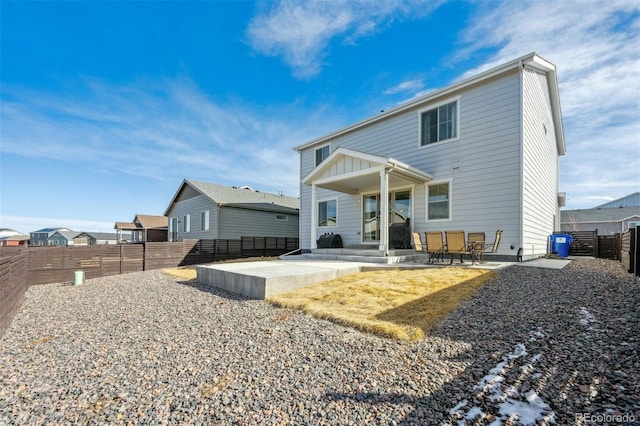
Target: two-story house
41, 236
478, 155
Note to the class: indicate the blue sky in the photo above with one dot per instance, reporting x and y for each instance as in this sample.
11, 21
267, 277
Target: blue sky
107, 106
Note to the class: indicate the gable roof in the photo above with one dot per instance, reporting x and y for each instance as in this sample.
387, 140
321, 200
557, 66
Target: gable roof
50, 231
100, 235
67, 235
242, 197
19, 237
149, 221
6, 232
350, 171
531, 60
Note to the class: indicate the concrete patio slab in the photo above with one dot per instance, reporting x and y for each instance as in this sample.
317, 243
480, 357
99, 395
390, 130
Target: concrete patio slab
259, 280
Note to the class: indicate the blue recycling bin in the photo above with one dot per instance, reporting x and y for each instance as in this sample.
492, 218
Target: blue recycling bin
560, 244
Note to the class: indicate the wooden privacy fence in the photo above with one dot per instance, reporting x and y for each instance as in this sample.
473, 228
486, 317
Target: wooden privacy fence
583, 243
630, 253
58, 264
23, 266
609, 246
589, 243
13, 286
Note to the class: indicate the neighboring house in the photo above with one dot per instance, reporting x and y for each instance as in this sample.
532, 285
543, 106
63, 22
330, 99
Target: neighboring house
41, 236
10, 238
631, 200
203, 210
479, 155
94, 238
144, 228
62, 238
608, 219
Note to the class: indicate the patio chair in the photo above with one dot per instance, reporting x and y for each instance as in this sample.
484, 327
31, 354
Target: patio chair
417, 242
435, 245
475, 241
481, 248
456, 244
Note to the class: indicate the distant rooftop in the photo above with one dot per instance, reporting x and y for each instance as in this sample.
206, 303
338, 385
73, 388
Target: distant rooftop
631, 200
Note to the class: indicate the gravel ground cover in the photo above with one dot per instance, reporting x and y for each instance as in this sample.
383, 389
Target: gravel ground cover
534, 346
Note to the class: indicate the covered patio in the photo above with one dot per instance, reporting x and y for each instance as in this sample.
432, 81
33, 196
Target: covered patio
354, 172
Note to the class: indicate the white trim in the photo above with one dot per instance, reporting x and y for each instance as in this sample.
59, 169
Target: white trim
394, 167
186, 226
431, 107
411, 188
350, 175
426, 216
531, 59
314, 214
204, 226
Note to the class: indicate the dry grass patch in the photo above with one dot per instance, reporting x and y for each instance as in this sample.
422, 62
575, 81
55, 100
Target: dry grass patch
401, 304
187, 274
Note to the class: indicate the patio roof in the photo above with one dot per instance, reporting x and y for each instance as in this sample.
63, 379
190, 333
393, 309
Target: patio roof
351, 172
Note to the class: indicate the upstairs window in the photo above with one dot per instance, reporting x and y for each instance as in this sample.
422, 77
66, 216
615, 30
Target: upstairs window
321, 154
439, 124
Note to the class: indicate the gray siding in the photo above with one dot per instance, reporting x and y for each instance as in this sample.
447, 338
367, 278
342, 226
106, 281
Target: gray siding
236, 223
486, 186
540, 211
229, 222
194, 205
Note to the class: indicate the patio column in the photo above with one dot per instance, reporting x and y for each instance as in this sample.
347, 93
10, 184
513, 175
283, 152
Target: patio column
384, 212
314, 219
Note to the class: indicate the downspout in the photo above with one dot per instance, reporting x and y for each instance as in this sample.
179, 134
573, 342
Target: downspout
219, 207
521, 174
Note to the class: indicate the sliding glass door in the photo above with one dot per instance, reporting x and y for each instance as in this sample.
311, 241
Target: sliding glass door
399, 212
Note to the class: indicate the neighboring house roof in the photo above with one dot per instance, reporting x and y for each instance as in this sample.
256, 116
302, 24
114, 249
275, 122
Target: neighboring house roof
532, 60
151, 222
50, 231
242, 197
20, 237
631, 200
67, 235
144, 221
100, 235
599, 215
6, 232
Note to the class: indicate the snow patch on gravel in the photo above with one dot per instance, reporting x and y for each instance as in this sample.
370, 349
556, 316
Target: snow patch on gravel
509, 401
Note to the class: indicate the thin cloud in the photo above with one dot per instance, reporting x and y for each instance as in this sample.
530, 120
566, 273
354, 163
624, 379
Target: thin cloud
414, 85
300, 32
164, 131
596, 53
